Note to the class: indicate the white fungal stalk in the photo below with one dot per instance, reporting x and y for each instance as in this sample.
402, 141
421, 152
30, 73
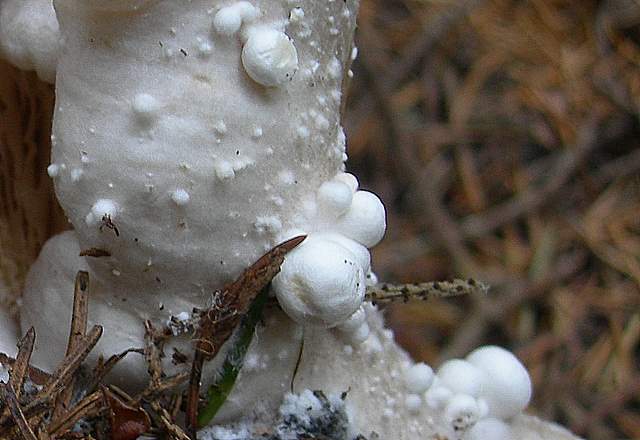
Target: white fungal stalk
189, 137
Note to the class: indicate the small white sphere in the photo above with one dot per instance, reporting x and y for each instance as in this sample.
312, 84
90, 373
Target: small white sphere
145, 106
438, 396
358, 336
353, 322
180, 197
507, 385
413, 402
334, 198
419, 378
53, 170
320, 283
227, 21
489, 428
365, 221
462, 412
269, 57
461, 377
102, 208
362, 254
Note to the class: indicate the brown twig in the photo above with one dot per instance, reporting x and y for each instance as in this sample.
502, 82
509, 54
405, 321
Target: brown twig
218, 322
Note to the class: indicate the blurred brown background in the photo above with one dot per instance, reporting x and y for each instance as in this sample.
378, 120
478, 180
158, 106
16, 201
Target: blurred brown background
503, 137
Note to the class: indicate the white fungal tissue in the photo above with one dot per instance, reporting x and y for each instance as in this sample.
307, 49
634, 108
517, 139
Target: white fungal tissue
30, 36
477, 393
269, 57
322, 282
102, 209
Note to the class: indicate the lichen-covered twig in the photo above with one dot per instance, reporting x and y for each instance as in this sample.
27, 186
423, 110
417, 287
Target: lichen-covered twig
385, 292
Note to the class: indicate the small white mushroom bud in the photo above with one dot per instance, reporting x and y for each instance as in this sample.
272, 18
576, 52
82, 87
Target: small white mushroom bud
413, 402
145, 107
365, 221
320, 283
353, 322
349, 179
419, 378
489, 428
269, 57
334, 198
101, 209
462, 412
507, 385
461, 377
362, 254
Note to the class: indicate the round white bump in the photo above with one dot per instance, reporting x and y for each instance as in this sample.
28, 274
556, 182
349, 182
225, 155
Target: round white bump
269, 57
507, 385
419, 378
180, 197
320, 283
365, 221
334, 197
489, 428
461, 376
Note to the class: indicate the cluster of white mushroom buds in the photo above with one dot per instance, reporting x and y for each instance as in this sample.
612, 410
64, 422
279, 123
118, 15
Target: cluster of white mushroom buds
478, 395
323, 281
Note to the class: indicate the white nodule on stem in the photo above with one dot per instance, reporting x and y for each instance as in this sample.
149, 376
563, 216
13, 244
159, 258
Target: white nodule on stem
320, 283
365, 221
462, 412
489, 428
362, 254
145, 107
419, 378
506, 386
334, 197
229, 20
413, 402
461, 377
180, 197
349, 179
269, 57
101, 209
53, 170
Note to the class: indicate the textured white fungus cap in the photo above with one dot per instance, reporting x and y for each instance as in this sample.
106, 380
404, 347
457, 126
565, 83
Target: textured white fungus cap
320, 283
506, 386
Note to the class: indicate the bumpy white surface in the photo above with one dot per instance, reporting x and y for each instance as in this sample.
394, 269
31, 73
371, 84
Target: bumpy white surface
30, 36
170, 157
